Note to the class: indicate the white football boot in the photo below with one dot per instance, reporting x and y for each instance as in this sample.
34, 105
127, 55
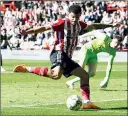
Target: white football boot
70, 84
2, 69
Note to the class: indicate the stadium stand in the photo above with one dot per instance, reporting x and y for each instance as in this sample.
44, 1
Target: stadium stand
37, 13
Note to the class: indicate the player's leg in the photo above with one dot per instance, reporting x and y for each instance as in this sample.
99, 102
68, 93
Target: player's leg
71, 83
54, 73
84, 82
72, 68
82, 58
92, 66
84, 87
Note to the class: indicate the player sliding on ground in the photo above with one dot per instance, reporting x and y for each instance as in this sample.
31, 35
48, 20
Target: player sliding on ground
66, 38
89, 51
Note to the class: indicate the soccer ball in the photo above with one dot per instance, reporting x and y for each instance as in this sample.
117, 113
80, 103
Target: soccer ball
74, 102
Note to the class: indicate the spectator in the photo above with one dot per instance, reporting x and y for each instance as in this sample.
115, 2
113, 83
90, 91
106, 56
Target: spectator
107, 19
38, 13
4, 40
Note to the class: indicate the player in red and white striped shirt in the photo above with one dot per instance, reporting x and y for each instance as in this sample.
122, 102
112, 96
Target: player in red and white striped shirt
65, 41
66, 34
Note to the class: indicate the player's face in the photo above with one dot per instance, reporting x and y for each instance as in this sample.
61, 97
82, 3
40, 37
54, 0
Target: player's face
74, 18
114, 43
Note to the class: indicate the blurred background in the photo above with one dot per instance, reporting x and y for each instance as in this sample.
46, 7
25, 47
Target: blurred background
17, 15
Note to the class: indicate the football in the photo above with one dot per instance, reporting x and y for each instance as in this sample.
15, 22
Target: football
74, 102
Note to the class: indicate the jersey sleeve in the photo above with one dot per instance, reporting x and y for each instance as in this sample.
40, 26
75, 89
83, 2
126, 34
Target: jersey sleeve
110, 63
113, 53
83, 25
57, 25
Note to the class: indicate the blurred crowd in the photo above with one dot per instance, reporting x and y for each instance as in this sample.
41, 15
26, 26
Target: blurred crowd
38, 13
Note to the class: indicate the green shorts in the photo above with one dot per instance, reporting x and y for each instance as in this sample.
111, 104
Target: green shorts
90, 57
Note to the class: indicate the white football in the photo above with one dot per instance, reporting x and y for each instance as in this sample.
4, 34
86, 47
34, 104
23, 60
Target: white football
74, 102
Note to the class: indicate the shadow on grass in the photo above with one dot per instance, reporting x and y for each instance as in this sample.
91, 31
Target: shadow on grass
112, 90
119, 108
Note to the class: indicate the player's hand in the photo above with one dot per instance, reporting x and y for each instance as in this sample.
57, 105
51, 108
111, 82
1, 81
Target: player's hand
23, 32
116, 25
104, 83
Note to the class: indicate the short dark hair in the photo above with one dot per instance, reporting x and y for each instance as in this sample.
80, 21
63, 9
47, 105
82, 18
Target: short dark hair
117, 36
76, 9
89, 4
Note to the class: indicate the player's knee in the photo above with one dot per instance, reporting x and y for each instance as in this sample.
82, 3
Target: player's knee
50, 72
57, 77
92, 74
84, 75
54, 74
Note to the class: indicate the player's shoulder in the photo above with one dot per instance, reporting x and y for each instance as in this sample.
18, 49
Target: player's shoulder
82, 22
57, 24
113, 52
60, 20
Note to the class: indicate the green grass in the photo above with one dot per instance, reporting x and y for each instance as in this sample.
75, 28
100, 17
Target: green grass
32, 95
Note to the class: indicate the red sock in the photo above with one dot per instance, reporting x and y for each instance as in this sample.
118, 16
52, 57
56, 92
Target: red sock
39, 70
85, 91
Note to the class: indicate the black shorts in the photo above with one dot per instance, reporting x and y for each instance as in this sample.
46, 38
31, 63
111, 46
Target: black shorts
60, 58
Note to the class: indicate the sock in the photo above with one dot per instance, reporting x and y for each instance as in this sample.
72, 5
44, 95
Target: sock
38, 70
85, 91
75, 80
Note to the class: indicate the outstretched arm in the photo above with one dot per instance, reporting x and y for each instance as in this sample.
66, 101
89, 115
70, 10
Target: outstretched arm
37, 29
109, 66
96, 34
55, 26
98, 26
108, 72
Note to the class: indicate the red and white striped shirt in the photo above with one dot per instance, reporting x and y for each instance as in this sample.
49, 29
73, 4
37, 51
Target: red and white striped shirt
66, 35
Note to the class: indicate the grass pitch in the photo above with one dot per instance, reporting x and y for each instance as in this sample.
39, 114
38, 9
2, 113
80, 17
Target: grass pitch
32, 95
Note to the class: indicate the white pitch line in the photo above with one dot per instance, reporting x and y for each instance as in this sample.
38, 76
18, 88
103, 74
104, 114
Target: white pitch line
40, 105
122, 113
7, 72
110, 100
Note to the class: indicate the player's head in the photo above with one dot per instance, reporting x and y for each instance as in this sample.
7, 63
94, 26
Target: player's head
74, 13
116, 40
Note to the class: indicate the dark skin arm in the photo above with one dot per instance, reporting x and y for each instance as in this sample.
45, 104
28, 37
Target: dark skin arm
99, 26
37, 30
